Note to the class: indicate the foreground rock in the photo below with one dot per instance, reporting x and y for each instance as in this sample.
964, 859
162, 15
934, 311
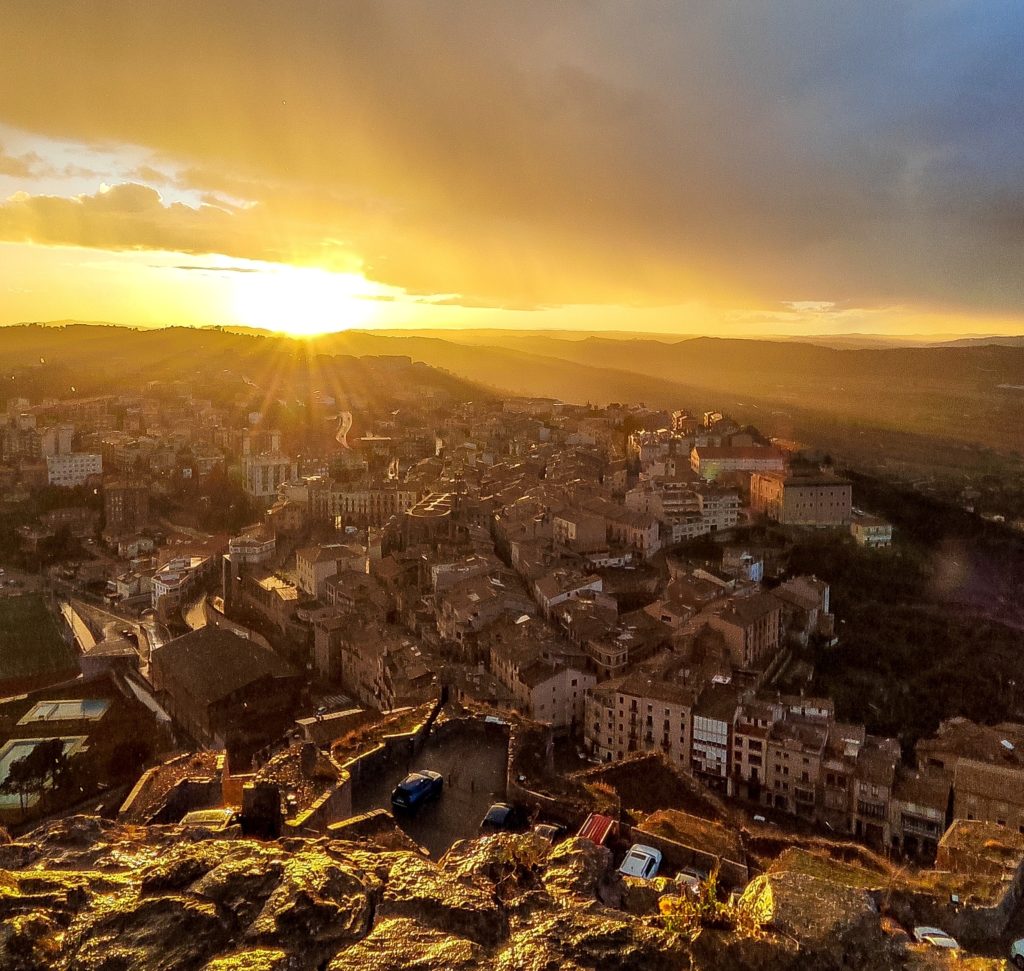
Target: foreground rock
84, 895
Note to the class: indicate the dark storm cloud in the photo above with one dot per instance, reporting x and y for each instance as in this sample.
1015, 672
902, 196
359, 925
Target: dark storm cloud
534, 153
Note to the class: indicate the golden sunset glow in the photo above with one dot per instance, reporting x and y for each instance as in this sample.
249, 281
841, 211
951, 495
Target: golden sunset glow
303, 302
731, 171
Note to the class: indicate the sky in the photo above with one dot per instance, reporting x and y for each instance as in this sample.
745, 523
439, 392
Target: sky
736, 168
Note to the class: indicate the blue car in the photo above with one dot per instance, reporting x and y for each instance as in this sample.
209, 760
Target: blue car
416, 789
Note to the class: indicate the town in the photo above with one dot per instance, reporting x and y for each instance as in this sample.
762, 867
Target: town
564, 612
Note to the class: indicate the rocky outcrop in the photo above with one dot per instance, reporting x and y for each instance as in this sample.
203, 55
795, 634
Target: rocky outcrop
84, 895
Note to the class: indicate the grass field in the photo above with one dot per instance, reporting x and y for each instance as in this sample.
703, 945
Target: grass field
30, 642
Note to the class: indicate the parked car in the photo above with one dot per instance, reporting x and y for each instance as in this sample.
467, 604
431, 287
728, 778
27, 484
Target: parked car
504, 816
1017, 953
215, 820
641, 861
549, 832
416, 789
935, 937
690, 878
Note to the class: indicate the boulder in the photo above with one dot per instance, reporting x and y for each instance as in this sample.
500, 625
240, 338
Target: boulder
156, 933
570, 940
404, 944
419, 890
579, 869
29, 942
317, 901
257, 959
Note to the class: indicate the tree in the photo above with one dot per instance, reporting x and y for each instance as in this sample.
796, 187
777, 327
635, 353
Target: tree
45, 764
18, 781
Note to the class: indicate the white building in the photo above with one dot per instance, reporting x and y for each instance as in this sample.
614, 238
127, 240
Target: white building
713, 716
556, 693
73, 469
264, 473
56, 440
176, 577
253, 546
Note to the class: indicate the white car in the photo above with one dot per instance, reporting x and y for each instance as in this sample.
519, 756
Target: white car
1017, 953
935, 937
641, 861
690, 878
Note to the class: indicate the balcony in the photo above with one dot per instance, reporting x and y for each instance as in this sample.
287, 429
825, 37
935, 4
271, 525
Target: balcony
875, 810
914, 826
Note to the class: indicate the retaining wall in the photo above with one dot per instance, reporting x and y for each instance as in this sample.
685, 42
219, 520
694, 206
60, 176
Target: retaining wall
731, 874
336, 804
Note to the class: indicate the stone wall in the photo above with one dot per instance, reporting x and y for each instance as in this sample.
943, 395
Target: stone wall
970, 922
140, 791
732, 874
336, 804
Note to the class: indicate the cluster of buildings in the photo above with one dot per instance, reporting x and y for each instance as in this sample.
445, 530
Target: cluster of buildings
512, 553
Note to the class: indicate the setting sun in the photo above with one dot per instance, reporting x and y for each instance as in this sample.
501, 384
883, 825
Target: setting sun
304, 302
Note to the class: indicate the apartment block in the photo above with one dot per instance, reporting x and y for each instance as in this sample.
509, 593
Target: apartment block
264, 473
751, 627
73, 468
314, 564
640, 714
802, 500
795, 749
710, 462
713, 717
125, 506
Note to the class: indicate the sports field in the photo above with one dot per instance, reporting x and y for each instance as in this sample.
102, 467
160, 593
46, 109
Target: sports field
30, 643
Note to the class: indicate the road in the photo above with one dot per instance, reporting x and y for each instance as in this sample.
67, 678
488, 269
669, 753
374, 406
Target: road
195, 613
78, 626
215, 618
156, 634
